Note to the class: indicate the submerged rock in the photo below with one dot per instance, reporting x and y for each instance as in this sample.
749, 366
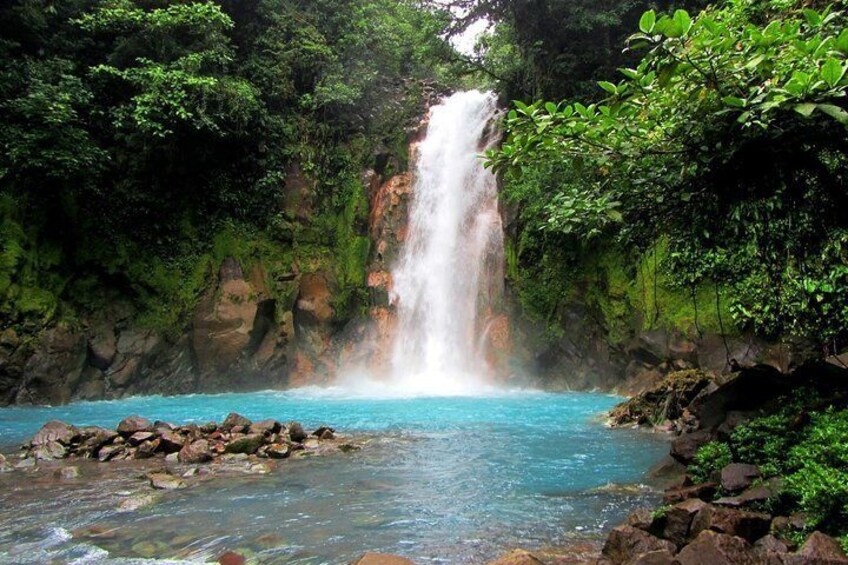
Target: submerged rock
517, 557
371, 558
165, 481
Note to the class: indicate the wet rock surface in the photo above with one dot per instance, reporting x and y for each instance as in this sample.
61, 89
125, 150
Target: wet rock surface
137, 438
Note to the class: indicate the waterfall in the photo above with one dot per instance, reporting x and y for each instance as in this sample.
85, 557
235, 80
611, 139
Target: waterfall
450, 272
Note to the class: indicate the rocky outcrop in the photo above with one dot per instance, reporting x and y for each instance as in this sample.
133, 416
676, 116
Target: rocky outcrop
138, 438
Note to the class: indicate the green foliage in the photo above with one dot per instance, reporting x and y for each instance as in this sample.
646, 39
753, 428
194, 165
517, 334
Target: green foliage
709, 459
728, 139
145, 141
820, 481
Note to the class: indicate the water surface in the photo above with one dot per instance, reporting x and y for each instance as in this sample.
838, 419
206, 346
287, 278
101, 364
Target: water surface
445, 480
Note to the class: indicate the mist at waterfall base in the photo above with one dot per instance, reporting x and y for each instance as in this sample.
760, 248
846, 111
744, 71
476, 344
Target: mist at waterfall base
443, 480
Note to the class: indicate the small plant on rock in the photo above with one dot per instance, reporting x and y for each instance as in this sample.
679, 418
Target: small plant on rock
710, 459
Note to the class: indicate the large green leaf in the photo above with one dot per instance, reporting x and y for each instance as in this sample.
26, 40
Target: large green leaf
647, 21
832, 72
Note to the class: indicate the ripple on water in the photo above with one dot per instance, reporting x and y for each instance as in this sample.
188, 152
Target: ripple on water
452, 480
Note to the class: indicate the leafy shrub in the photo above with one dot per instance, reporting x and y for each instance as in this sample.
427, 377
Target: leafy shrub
820, 483
709, 459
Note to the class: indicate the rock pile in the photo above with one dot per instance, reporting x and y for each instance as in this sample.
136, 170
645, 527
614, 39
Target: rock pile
700, 530
139, 438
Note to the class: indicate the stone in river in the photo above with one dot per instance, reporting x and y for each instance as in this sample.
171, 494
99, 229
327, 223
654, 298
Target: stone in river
234, 420
195, 452
164, 481
382, 559
231, 558
296, 432
109, 452
133, 424
247, 444
277, 451
170, 442
69, 472
4, 465
266, 427
49, 450
93, 438
139, 437
135, 502
55, 431
517, 557
147, 449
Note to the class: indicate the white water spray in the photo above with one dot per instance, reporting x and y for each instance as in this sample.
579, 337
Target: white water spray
451, 267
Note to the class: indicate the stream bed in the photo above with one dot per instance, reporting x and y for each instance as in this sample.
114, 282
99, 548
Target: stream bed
440, 480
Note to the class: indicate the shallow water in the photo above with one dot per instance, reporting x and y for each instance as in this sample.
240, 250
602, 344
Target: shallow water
445, 480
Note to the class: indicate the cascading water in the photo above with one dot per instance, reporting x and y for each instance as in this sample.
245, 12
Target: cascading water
451, 267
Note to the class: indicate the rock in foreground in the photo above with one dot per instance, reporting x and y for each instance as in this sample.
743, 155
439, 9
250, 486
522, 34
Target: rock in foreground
138, 438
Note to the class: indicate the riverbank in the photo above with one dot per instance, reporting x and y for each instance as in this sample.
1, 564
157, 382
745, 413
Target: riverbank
762, 468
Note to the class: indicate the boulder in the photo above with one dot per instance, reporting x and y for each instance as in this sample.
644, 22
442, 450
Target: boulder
277, 451
195, 452
52, 372
140, 437
661, 557
4, 465
102, 348
109, 452
147, 449
55, 431
296, 432
753, 495
269, 426
231, 558
234, 420
49, 450
171, 442
736, 477
675, 524
684, 447
224, 320
68, 473
247, 444
165, 481
769, 543
517, 557
370, 558
748, 525
704, 491
712, 548
93, 438
641, 518
822, 549
133, 424
625, 543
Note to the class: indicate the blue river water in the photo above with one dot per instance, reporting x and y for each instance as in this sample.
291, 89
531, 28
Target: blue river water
442, 480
